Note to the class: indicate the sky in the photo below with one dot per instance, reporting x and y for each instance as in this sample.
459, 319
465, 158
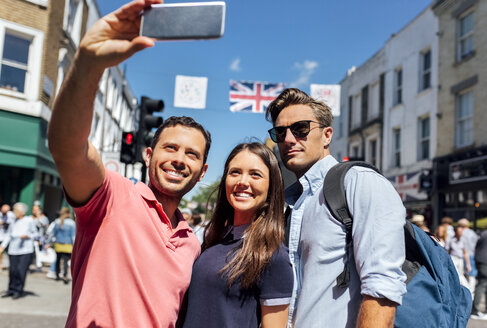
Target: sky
293, 42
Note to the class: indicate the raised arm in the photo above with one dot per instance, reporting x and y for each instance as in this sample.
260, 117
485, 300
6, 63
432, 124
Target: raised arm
110, 41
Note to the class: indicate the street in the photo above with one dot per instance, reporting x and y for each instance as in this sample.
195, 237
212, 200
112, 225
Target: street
47, 304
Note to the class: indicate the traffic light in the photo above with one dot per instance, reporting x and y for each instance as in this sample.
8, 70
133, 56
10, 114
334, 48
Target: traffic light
147, 122
129, 146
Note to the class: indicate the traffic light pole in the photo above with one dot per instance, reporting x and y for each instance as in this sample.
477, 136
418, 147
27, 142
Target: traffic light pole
147, 122
143, 174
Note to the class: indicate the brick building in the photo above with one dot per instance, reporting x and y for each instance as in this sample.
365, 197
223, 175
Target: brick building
38, 40
461, 164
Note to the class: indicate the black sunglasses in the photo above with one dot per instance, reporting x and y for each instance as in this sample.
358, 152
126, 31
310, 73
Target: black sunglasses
299, 129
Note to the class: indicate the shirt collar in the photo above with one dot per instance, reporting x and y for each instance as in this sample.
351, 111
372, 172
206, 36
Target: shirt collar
146, 192
312, 179
235, 233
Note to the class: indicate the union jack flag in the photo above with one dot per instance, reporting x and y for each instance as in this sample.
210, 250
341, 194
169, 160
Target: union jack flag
253, 97
407, 186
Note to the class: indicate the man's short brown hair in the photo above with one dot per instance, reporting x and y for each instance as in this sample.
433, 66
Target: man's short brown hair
293, 96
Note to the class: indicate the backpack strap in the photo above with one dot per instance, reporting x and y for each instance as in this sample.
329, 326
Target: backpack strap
336, 200
287, 216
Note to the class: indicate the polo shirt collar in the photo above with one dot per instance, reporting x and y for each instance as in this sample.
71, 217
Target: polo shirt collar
146, 192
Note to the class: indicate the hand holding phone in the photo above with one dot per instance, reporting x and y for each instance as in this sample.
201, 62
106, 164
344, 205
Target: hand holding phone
184, 21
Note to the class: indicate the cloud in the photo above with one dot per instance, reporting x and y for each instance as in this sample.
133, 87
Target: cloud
306, 69
235, 65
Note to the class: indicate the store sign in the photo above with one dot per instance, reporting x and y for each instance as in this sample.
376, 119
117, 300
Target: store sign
472, 169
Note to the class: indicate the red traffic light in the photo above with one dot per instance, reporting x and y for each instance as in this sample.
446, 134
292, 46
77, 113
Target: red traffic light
129, 138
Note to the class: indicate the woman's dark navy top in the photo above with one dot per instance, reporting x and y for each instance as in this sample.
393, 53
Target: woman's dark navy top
211, 303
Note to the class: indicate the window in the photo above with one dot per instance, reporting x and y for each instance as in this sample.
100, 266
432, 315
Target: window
20, 60
465, 45
382, 82
396, 147
374, 101
355, 151
424, 138
73, 11
365, 103
340, 126
425, 71
356, 119
398, 87
14, 62
350, 112
373, 152
464, 119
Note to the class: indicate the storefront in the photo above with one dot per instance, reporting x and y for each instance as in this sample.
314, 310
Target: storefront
415, 199
461, 185
27, 170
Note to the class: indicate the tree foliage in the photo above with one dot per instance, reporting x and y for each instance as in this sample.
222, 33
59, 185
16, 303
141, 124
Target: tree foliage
206, 198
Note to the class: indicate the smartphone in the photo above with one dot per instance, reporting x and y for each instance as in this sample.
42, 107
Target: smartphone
184, 21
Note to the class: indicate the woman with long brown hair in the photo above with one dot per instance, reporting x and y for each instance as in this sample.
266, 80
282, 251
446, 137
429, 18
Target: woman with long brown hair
243, 277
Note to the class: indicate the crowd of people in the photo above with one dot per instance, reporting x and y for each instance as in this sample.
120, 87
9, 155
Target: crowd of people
27, 240
140, 261
468, 251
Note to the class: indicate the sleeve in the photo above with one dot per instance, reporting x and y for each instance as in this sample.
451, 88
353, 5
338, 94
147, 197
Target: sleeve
378, 234
33, 231
95, 208
448, 245
276, 283
8, 236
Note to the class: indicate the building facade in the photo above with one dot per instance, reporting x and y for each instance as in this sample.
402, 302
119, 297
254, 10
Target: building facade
410, 120
460, 167
391, 101
339, 144
38, 40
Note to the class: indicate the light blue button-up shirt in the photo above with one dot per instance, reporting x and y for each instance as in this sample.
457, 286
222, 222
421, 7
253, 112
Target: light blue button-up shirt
317, 244
20, 227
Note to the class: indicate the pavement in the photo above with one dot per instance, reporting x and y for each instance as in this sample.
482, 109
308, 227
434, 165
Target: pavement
47, 304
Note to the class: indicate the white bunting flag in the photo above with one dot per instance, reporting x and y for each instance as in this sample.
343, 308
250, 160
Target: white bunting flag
190, 92
329, 94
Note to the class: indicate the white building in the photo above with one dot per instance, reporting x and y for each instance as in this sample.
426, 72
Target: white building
410, 121
391, 101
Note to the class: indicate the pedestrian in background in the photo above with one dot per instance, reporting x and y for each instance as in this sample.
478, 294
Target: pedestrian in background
198, 226
418, 220
441, 234
62, 239
187, 215
481, 287
456, 248
447, 222
469, 238
41, 222
7, 217
20, 239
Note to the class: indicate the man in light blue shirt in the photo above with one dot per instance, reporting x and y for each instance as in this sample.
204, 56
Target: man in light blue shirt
317, 241
20, 239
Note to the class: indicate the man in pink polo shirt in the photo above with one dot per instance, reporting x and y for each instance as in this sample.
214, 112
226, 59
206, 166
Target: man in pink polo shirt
133, 252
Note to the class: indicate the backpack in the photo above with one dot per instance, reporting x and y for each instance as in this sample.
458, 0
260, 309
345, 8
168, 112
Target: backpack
434, 295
